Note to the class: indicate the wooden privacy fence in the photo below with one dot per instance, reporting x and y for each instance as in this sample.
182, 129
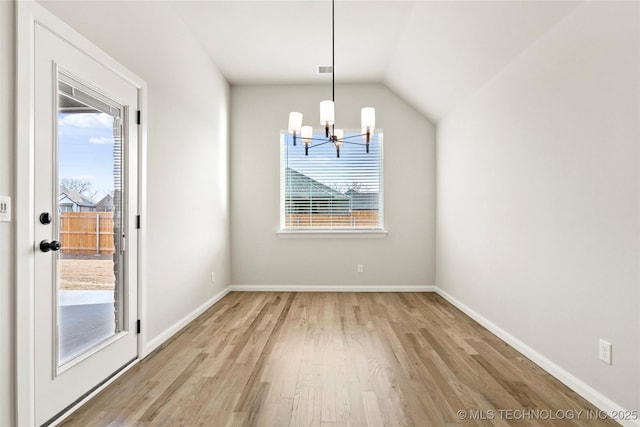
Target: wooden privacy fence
357, 219
87, 233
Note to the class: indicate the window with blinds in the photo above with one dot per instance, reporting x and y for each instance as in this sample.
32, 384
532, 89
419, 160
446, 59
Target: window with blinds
323, 192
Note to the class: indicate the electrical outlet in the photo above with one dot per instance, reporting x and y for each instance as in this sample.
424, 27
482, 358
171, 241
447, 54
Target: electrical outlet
360, 268
213, 277
604, 352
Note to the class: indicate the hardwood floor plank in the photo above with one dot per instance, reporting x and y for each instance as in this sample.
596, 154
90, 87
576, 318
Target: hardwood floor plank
175, 386
252, 391
333, 359
371, 409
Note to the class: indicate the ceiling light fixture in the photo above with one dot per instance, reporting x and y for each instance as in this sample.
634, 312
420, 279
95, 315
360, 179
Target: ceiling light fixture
327, 115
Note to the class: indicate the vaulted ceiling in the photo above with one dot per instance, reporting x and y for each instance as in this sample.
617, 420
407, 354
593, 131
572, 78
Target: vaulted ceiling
433, 53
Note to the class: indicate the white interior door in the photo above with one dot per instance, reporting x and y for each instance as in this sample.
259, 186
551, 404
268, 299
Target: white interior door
85, 240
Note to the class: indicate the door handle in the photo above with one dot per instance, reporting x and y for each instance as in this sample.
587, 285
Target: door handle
46, 246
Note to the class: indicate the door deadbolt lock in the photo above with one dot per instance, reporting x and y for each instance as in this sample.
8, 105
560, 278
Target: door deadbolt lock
45, 218
46, 246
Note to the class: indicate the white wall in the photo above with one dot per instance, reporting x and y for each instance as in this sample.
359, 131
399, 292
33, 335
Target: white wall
7, 117
538, 220
188, 106
260, 258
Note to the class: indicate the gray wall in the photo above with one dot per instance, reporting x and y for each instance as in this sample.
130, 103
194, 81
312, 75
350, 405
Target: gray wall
260, 257
538, 221
7, 117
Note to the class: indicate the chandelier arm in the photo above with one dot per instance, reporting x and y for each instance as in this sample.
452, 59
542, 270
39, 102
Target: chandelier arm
318, 139
355, 143
318, 145
353, 136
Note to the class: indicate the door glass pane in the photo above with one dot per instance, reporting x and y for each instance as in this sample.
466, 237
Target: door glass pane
89, 200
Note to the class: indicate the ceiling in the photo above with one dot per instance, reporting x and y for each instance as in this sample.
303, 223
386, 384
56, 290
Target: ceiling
432, 53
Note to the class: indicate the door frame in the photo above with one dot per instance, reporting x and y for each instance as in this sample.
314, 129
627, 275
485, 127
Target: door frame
28, 14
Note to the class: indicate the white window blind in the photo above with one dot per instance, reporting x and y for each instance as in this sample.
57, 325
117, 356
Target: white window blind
323, 192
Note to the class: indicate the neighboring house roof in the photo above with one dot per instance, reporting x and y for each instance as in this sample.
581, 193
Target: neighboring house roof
106, 201
363, 201
76, 197
300, 186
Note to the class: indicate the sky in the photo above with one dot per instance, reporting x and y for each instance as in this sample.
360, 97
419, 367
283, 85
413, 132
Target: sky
85, 150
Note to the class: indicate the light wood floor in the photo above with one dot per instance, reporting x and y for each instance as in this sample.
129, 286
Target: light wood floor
335, 359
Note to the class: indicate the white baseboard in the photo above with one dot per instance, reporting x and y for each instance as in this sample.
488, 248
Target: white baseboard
176, 327
330, 288
589, 393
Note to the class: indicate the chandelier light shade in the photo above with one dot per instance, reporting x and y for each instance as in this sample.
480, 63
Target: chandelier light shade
368, 117
328, 117
307, 137
295, 124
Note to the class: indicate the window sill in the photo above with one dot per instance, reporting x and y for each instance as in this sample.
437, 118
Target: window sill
332, 234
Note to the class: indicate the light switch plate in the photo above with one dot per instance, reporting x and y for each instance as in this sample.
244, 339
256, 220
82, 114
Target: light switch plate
5, 209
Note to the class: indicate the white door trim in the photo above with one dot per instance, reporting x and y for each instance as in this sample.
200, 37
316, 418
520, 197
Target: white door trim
28, 13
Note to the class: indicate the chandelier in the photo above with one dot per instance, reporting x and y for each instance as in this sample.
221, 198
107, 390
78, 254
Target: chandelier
327, 116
